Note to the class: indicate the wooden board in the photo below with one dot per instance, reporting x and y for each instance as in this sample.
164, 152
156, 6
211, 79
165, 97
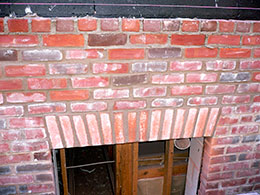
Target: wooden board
168, 161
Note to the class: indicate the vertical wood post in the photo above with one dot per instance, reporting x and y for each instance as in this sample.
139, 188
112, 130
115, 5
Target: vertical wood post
168, 164
64, 171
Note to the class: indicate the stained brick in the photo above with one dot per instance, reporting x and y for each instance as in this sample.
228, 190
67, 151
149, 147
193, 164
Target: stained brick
235, 99
45, 83
84, 54
227, 120
64, 25
18, 179
250, 65
41, 25
90, 82
85, 24
251, 40
42, 155
130, 80
117, 54
151, 66
25, 70
194, 101
234, 77
8, 55
177, 39
109, 24
17, 25
11, 111
238, 149
237, 182
69, 95
18, 158
164, 52
4, 147
44, 177
2, 25
256, 76
29, 146
63, 40
5, 170
42, 55
149, 92
18, 40
106, 39
110, 68
256, 27
36, 133
6, 190
248, 88
171, 25
68, 68
125, 105
208, 26
167, 102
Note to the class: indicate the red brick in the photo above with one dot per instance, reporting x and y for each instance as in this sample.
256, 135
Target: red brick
11, 135
208, 26
187, 39
211, 151
11, 111
120, 54
171, 25
148, 39
150, 92
18, 158
110, 68
220, 176
167, 124
256, 27
185, 66
87, 24
34, 133
119, 127
247, 173
132, 126
155, 125
186, 90
256, 98
190, 26
236, 99
242, 109
64, 25
254, 180
250, 65
58, 69
111, 93
220, 89
1, 98
4, 147
201, 52
41, 25
90, 106
227, 121
80, 130
194, 101
246, 119
1, 25
19, 179
167, 102
143, 126
178, 126
46, 108
106, 128
243, 27
237, 182
125, 105
29, 146
90, 82
256, 76
226, 26
25, 70
69, 95
201, 122
150, 66
92, 127
238, 149
132, 25
63, 40
54, 133
220, 65
224, 39
23, 97
109, 24
212, 119
13, 84
84, 54
28, 122
223, 159
201, 78
245, 129
190, 123
67, 130
17, 25
167, 79
234, 53
152, 25
18, 40
37, 83
251, 40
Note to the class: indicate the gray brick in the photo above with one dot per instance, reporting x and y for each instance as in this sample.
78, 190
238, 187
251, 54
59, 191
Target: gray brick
4, 170
42, 55
33, 168
6, 190
149, 67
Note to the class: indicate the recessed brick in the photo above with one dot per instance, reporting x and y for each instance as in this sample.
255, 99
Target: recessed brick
8, 55
109, 24
171, 25
41, 25
152, 25
208, 26
64, 25
130, 80
42, 55
106, 39
164, 52
18, 25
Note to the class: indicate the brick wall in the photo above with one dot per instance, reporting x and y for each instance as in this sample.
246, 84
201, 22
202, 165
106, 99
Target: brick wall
70, 82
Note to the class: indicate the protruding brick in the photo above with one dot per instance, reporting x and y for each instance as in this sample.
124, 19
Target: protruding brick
224, 39
177, 39
251, 40
46, 108
155, 125
169, 102
186, 90
44, 83
90, 106
64, 25
171, 25
69, 95
74, 68
25, 70
53, 130
168, 79
149, 92
85, 24
13, 84
109, 24
92, 127
89, 82
201, 78
243, 27
120, 54
67, 130
220, 65
106, 39
18, 25
8, 55
80, 130
205, 101
132, 25
201, 52
110, 68
220, 89
23, 97
151, 66
226, 26
42, 55
170, 52
185, 66
208, 26
41, 25
111, 93
130, 80
18, 40
190, 26
63, 40
26, 122
234, 77
125, 105
236, 99
84, 54
149, 39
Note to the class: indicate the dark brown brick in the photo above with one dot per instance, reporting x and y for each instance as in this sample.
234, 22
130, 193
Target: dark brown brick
8, 55
42, 155
164, 52
106, 39
33, 168
208, 26
65, 25
130, 80
44, 177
